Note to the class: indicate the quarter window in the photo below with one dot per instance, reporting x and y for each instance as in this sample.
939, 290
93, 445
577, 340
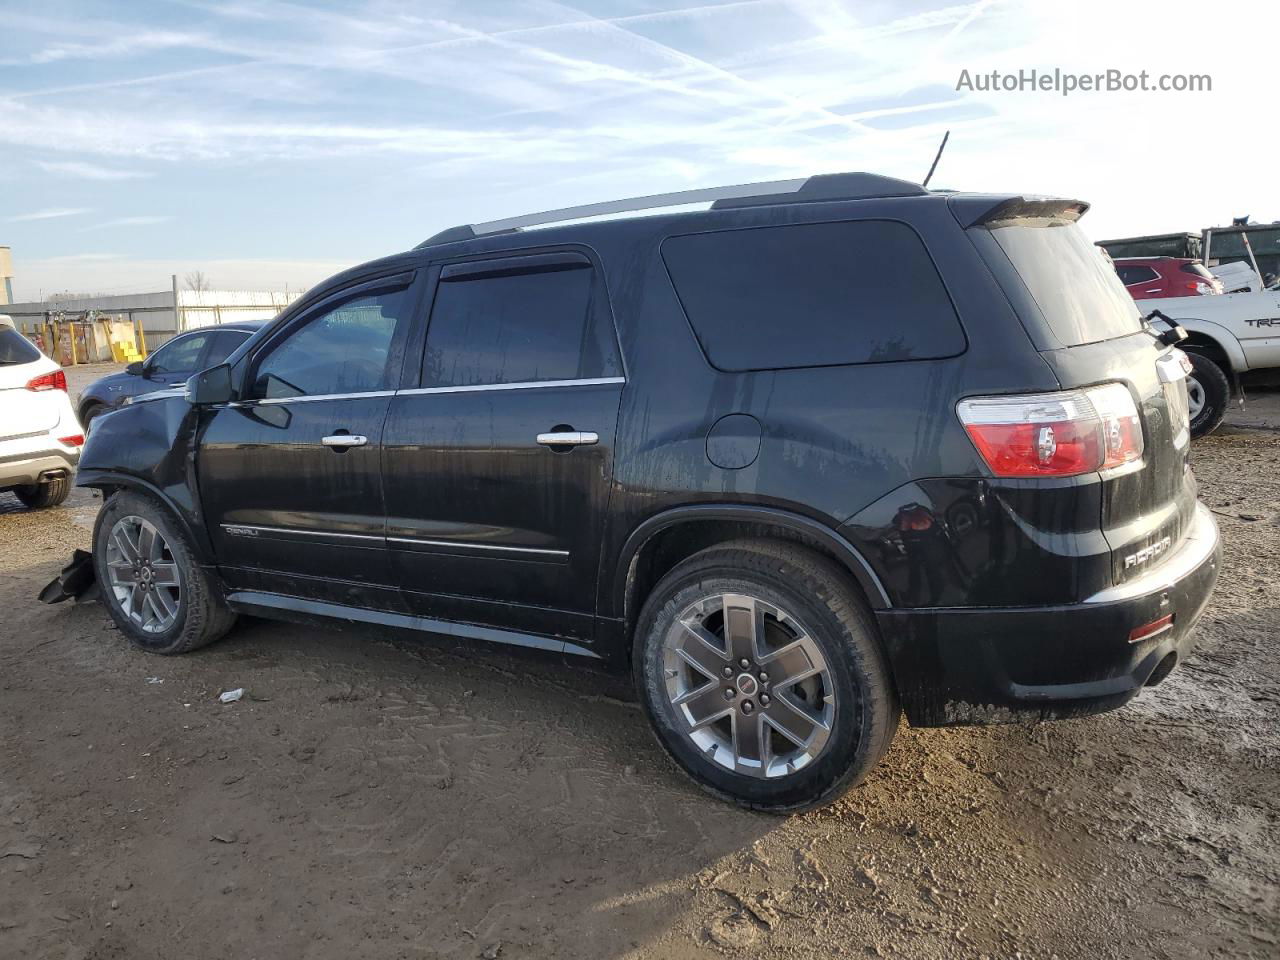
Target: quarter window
813, 295
519, 325
346, 349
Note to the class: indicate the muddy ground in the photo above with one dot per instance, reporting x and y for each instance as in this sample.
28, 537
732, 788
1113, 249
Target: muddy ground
377, 795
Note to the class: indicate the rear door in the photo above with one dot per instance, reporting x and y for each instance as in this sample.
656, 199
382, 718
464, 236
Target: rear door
1090, 331
290, 478
497, 465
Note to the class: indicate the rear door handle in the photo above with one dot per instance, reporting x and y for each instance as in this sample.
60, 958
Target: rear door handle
568, 438
343, 440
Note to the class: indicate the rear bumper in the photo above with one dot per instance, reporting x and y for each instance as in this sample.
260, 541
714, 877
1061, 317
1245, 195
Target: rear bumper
991, 665
31, 466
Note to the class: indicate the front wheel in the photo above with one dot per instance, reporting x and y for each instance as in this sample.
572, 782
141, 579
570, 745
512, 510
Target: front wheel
762, 675
1208, 394
155, 591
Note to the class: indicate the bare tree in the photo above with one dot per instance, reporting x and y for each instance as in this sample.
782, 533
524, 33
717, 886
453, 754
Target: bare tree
197, 281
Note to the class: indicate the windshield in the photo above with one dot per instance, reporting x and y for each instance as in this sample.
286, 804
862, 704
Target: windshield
1074, 286
15, 348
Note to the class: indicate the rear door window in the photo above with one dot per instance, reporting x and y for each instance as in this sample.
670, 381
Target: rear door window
1131, 275
813, 295
223, 345
518, 324
1076, 289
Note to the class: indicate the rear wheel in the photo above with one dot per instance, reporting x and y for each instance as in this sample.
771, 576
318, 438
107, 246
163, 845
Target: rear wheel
763, 676
154, 589
1208, 393
37, 496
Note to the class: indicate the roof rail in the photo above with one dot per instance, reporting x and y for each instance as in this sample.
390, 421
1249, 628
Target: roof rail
826, 186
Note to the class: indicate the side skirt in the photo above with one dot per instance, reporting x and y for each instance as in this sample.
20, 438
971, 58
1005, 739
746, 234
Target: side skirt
280, 607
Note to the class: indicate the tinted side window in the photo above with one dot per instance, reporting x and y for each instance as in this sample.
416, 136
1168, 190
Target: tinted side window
517, 327
346, 349
224, 342
180, 356
812, 295
1132, 275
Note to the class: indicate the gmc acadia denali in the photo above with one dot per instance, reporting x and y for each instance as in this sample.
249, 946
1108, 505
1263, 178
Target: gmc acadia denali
830, 450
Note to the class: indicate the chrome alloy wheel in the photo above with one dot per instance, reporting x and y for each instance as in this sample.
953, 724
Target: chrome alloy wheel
1195, 397
750, 685
144, 575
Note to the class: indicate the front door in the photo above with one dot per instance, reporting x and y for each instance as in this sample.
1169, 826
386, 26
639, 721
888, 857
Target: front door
290, 477
497, 467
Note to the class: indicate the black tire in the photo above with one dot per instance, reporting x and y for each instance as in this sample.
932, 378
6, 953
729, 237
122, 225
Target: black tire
817, 594
91, 411
202, 615
37, 496
1215, 388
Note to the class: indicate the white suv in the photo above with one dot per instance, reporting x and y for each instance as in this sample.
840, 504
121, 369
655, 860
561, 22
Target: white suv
40, 437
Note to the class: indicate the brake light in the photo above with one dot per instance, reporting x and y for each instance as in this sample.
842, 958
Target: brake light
1055, 434
49, 381
75, 440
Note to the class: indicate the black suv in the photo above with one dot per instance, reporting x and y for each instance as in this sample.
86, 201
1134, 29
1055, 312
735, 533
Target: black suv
829, 450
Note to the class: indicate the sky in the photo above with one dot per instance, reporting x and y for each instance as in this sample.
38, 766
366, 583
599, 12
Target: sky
270, 143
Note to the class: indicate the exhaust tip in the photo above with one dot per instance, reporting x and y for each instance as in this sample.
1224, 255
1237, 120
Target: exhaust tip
1162, 670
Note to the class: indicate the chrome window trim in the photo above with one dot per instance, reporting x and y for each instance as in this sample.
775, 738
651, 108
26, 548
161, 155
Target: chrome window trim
276, 401
478, 546
521, 385
416, 391
226, 527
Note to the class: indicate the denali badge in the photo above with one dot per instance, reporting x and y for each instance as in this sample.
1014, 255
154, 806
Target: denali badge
245, 531
1147, 553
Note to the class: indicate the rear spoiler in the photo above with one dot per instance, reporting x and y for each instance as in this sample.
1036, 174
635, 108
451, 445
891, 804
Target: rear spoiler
979, 210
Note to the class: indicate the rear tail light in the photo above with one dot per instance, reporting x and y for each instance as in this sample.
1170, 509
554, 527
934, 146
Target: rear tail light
75, 440
49, 381
1055, 434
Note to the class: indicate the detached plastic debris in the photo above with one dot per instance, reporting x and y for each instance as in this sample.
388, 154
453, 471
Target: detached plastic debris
231, 696
76, 581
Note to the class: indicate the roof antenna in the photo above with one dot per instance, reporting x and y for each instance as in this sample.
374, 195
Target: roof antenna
938, 156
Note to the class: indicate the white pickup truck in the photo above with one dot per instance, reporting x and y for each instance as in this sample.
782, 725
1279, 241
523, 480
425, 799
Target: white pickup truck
1227, 335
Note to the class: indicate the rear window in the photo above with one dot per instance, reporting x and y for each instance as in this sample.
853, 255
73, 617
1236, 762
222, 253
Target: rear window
1077, 291
15, 348
813, 295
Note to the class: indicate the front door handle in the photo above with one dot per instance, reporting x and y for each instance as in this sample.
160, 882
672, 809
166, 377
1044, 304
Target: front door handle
568, 438
344, 440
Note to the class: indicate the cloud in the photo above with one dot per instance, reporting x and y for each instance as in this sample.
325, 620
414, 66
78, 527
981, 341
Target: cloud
50, 214
130, 222
87, 171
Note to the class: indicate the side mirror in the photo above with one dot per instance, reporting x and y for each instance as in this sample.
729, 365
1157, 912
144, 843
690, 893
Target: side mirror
135, 369
211, 386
